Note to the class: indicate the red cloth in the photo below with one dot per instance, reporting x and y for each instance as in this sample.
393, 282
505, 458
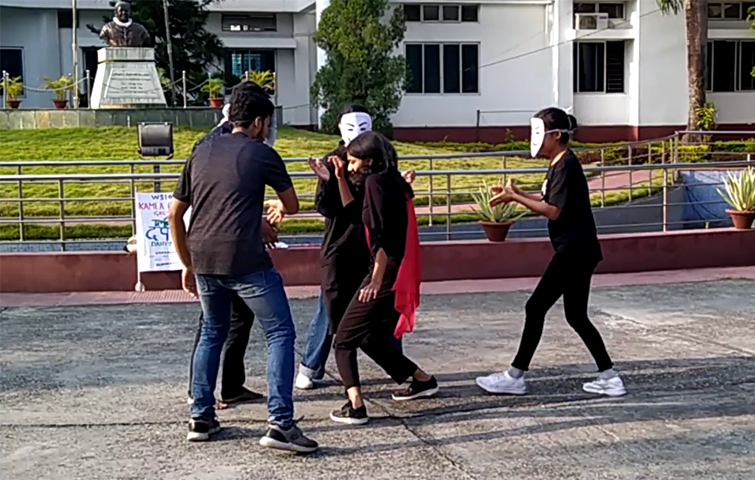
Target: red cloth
409, 275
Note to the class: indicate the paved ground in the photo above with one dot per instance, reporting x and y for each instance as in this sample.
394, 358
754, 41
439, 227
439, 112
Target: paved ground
99, 393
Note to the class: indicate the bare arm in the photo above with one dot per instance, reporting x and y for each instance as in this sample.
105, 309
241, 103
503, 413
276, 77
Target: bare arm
370, 291
289, 202
537, 205
345, 191
178, 230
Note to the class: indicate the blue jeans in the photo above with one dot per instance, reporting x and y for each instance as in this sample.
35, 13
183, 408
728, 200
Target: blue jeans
319, 343
263, 293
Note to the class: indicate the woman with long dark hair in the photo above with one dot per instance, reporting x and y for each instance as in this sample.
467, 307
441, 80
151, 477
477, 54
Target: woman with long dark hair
565, 202
344, 256
387, 299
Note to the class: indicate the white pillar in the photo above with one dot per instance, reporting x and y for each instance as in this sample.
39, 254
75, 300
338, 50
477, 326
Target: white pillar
320, 6
562, 48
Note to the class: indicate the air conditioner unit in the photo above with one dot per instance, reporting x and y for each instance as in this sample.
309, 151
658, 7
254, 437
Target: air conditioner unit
592, 21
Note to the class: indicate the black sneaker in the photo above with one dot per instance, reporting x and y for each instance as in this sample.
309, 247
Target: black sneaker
349, 415
418, 389
292, 439
201, 429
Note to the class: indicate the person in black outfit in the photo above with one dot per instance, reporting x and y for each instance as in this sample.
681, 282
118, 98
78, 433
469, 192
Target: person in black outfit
565, 202
344, 256
371, 316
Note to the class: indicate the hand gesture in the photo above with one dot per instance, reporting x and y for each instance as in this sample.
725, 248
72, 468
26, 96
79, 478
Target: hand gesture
274, 211
320, 169
510, 184
369, 292
339, 166
501, 195
189, 281
269, 234
409, 176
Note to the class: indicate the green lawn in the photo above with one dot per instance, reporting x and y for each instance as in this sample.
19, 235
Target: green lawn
119, 143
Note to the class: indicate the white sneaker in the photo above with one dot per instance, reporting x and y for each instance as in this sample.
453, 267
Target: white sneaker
502, 383
613, 387
303, 382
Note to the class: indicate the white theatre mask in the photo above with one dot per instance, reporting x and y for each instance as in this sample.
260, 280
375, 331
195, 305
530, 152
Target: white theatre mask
354, 124
538, 133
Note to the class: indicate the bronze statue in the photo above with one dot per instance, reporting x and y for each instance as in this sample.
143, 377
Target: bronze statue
123, 31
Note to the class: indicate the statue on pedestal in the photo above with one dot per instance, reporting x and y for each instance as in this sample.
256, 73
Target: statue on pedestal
123, 31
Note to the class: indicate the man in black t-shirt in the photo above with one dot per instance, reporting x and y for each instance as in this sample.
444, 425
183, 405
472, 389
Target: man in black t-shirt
232, 389
224, 182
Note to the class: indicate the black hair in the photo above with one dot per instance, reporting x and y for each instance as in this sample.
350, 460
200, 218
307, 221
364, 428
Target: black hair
557, 119
352, 108
248, 102
375, 146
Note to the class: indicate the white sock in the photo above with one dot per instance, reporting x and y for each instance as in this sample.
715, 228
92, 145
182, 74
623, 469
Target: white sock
515, 372
607, 374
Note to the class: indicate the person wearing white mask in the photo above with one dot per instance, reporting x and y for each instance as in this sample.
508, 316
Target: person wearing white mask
345, 256
565, 202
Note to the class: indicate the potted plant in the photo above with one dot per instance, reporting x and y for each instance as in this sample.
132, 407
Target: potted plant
61, 87
15, 90
739, 192
214, 88
495, 221
265, 79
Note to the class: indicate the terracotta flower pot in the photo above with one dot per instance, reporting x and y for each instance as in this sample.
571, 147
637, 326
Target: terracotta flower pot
60, 104
741, 220
496, 232
14, 103
217, 102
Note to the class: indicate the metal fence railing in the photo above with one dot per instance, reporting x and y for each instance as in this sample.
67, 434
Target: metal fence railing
634, 187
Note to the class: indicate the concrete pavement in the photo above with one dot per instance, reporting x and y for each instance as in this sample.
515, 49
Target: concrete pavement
98, 392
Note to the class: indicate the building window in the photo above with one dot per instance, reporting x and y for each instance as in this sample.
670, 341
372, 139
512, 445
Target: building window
443, 68
65, 19
469, 13
729, 10
441, 13
12, 61
238, 62
253, 22
413, 13
599, 67
730, 65
615, 10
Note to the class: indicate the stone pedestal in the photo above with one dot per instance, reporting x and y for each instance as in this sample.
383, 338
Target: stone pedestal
127, 78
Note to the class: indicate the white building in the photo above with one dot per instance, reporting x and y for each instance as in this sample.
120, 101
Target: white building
479, 67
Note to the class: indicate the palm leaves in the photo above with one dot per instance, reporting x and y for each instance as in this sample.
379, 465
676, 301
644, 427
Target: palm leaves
739, 191
500, 213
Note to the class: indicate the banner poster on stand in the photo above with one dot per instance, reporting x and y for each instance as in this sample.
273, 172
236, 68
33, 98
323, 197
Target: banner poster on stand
155, 249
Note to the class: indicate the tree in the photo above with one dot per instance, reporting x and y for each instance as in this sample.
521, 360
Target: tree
696, 24
194, 48
361, 65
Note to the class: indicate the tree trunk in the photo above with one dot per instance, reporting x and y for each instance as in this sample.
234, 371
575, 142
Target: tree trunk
696, 19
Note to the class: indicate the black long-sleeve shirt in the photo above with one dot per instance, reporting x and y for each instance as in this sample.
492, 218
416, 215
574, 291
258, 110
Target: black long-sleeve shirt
344, 254
385, 213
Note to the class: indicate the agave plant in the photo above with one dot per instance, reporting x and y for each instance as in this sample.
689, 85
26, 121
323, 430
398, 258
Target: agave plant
739, 191
503, 213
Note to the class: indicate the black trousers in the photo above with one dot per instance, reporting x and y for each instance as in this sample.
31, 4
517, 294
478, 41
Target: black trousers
232, 369
570, 276
370, 326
